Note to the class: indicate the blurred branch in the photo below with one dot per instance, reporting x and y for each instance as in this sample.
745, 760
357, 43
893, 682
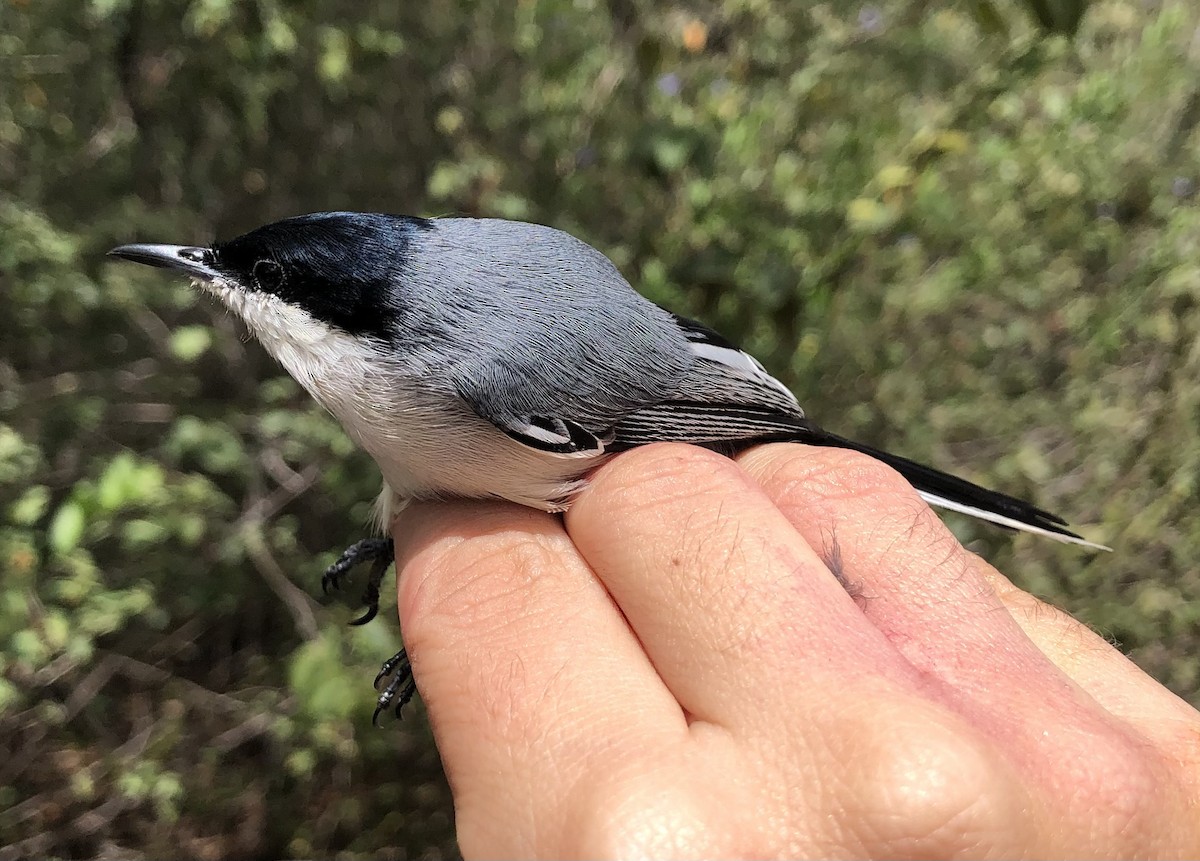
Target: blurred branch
84, 692
47, 64
53, 671
154, 328
30, 750
291, 483
178, 640
247, 730
294, 598
86, 823
190, 691
1186, 123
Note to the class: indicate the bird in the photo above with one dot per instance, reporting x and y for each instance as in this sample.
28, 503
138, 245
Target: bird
497, 359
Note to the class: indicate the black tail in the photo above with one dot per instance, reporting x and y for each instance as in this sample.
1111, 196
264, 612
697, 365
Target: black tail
955, 494
733, 427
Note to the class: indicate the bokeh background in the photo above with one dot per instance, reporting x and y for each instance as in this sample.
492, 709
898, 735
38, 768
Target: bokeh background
967, 231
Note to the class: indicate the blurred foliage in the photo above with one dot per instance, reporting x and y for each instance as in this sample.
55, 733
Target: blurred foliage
953, 234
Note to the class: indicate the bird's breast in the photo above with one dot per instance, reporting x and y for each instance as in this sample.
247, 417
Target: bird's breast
425, 439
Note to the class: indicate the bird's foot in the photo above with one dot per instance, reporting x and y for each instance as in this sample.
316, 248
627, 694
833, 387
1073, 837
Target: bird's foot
380, 552
400, 689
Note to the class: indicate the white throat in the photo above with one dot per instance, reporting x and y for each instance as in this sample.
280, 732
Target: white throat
425, 439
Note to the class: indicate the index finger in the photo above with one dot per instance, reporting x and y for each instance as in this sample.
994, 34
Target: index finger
529, 673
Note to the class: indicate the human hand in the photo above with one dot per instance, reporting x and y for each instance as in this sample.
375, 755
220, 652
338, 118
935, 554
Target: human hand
675, 671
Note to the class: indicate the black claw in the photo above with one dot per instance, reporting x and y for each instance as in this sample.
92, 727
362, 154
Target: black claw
371, 596
372, 611
380, 551
409, 691
389, 666
335, 572
400, 690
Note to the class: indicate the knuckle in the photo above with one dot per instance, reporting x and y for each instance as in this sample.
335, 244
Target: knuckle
932, 786
641, 816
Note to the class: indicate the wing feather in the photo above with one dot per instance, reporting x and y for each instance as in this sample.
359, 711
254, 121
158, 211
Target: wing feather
726, 373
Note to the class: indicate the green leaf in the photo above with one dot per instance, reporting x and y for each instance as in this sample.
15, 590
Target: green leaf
167, 792
103, 9
56, 630
189, 342
280, 36
206, 17
29, 647
112, 489
10, 696
334, 64
67, 527
671, 154
869, 216
324, 691
300, 763
30, 506
511, 206
988, 17
143, 533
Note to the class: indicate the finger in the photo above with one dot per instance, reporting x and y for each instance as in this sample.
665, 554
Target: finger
530, 675
929, 595
1111, 679
917, 582
725, 597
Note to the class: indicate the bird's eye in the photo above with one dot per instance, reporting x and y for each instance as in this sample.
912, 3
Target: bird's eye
268, 275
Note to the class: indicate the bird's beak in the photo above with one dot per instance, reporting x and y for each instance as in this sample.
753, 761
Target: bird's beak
196, 262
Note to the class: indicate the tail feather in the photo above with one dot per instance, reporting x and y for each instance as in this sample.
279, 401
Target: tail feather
956, 494
1063, 535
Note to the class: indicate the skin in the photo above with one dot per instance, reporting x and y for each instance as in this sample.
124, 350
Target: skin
674, 670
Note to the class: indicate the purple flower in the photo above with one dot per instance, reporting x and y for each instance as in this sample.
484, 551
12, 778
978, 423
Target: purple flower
870, 19
669, 84
585, 156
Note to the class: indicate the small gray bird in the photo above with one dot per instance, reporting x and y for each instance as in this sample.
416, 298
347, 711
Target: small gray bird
498, 359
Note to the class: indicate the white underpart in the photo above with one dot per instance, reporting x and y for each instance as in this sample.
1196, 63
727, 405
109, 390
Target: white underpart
1001, 520
427, 442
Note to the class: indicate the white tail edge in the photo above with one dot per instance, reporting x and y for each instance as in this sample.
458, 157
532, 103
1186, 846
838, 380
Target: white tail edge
1001, 520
